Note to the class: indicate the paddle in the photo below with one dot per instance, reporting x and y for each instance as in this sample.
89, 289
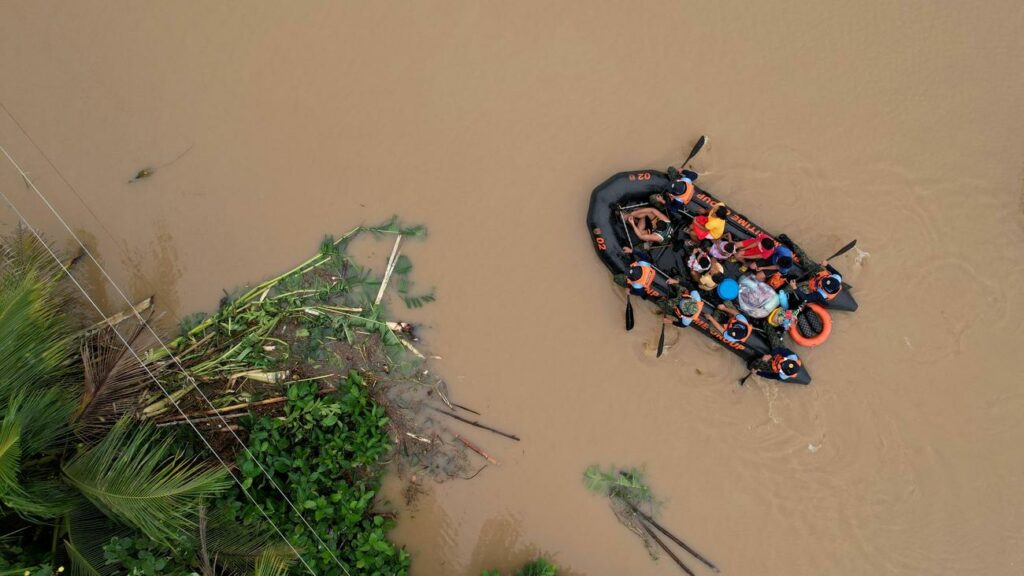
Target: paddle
661, 341
629, 305
744, 379
841, 251
696, 148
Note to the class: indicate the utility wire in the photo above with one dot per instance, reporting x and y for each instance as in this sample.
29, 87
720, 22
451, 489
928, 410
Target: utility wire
64, 268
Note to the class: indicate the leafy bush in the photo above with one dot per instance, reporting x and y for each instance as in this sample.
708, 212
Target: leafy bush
538, 567
144, 557
324, 454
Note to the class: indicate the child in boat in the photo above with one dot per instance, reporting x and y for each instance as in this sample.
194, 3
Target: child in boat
760, 247
724, 248
711, 225
651, 225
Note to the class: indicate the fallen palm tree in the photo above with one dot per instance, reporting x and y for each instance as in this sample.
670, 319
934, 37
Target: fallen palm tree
629, 495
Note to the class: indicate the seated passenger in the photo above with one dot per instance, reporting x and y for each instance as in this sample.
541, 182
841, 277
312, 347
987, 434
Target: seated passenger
781, 260
737, 329
712, 225
781, 364
640, 276
824, 285
724, 248
686, 309
651, 225
678, 196
760, 247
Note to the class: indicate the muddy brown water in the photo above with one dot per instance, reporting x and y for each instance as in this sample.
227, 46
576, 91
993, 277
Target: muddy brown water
899, 124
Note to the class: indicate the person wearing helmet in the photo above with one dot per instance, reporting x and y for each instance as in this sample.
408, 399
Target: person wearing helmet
825, 284
737, 328
640, 276
651, 225
685, 309
677, 197
781, 364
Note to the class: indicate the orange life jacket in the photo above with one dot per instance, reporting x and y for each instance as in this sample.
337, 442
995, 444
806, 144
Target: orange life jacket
700, 306
687, 194
647, 275
777, 361
734, 322
776, 281
814, 285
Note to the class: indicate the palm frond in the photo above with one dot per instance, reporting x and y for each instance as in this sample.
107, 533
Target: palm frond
270, 564
22, 254
80, 565
89, 530
135, 475
37, 351
242, 549
30, 425
114, 378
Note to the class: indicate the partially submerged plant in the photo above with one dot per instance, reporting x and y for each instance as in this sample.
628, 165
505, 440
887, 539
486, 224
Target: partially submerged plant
632, 501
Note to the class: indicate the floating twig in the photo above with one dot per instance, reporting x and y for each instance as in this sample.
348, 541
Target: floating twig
475, 448
477, 424
457, 405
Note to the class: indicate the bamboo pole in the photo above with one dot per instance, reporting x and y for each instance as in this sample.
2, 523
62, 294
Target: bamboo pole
387, 273
475, 448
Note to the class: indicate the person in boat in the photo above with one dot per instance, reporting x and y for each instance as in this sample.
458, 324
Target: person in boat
705, 270
651, 225
640, 276
710, 226
677, 197
723, 249
824, 284
780, 265
760, 247
736, 329
685, 309
781, 364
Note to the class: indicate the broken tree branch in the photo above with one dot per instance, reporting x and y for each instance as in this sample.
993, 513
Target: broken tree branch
477, 424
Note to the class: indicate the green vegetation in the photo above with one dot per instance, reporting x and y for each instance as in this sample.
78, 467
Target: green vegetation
98, 474
326, 451
538, 567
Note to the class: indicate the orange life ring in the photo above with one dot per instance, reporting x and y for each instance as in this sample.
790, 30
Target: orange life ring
826, 328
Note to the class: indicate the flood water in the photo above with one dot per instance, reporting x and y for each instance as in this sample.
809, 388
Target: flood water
898, 124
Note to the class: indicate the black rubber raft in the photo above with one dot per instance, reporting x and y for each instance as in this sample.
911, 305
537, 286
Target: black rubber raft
608, 233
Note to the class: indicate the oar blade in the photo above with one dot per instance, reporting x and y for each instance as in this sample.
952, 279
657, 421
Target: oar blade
661, 341
843, 250
696, 148
629, 314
